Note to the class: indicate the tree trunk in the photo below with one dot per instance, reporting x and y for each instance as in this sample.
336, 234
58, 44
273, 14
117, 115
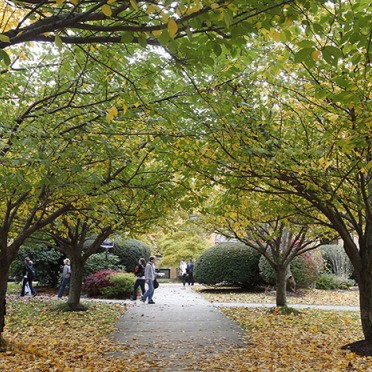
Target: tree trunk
281, 286
365, 302
4, 272
76, 282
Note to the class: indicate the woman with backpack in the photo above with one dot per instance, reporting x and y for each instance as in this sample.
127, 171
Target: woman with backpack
139, 272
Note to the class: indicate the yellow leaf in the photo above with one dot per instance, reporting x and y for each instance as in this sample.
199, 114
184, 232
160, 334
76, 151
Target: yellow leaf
173, 28
157, 32
153, 9
60, 2
134, 4
112, 113
4, 38
74, 2
111, 2
106, 10
315, 55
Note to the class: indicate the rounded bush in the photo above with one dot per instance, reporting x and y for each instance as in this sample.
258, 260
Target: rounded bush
305, 269
267, 273
130, 252
121, 286
99, 261
231, 263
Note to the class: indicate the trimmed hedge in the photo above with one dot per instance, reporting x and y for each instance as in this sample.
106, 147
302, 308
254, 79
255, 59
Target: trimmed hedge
230, 263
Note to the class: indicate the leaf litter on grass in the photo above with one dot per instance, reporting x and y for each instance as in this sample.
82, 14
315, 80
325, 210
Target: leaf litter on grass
42, 339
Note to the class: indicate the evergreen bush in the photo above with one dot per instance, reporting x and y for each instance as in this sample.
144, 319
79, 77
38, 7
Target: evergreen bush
101, 261
230, 263
130, 252
47, 262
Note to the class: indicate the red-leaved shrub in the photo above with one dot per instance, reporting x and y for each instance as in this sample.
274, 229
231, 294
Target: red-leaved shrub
95, 282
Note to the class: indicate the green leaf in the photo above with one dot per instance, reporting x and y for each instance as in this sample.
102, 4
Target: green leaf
58, 42
303, 55
331, 55
4, 56
126, 37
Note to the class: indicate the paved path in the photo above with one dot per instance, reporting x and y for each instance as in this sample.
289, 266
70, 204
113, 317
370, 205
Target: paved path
180, 328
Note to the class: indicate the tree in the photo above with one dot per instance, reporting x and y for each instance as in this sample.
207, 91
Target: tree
182, 244
266, 225
299, 127
147, 23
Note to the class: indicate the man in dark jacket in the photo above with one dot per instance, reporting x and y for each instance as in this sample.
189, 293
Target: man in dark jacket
190, 272
28, 274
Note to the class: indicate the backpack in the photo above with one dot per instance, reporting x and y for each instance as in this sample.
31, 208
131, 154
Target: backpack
30, 272
139, 270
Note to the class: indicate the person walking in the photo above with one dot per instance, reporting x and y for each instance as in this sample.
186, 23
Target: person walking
28, 274
66, 277
139, 271
190, 272
183, 272
150, 276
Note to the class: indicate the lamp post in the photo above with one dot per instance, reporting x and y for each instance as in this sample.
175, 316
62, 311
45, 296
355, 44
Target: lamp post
107, 244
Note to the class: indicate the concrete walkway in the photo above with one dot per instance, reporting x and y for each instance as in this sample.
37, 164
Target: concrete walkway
180, 328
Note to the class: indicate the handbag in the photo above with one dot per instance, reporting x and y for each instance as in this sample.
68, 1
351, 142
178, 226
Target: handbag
156, 284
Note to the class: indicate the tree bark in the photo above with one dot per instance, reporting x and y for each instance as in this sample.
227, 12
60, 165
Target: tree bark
4, 273
281, 285
365, 303
76, 281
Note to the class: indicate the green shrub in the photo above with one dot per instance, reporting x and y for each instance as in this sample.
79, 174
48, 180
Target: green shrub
121, 286
130, 252
331, 281
267, 273
232, 263
305, 269
47, 262
99, 261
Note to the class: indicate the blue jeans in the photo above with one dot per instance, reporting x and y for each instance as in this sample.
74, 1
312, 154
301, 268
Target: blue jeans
65, 282
150, 291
